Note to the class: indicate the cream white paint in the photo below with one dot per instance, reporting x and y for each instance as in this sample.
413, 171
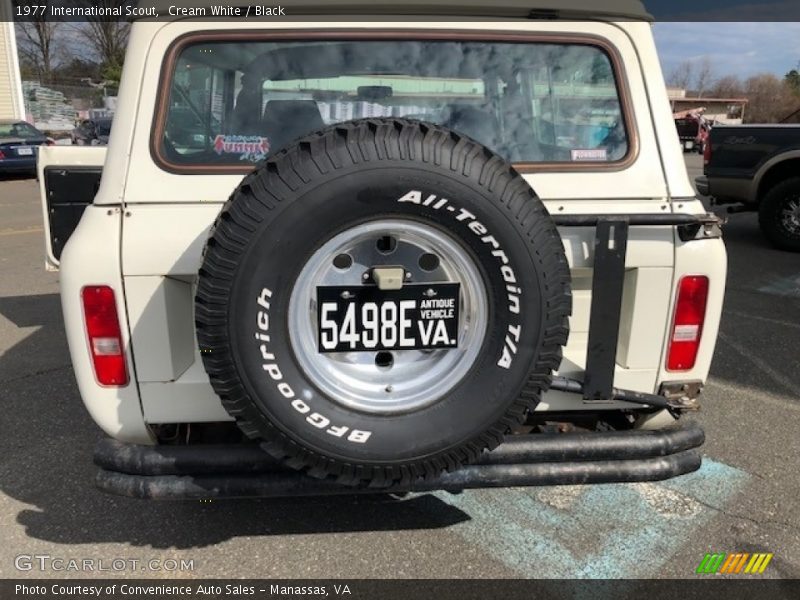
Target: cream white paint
150, 245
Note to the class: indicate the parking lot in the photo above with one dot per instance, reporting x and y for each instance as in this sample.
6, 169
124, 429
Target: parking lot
746, 498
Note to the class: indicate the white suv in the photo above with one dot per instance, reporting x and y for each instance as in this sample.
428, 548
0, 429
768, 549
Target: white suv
329, 255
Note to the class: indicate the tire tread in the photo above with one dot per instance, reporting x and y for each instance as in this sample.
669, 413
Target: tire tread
333, 149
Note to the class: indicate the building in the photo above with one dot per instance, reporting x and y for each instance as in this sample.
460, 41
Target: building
12, 104
728, 111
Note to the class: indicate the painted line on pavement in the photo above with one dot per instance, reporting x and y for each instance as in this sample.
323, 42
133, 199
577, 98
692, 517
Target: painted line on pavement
7, 232
776, 376
783, 286
596, 531
745, 315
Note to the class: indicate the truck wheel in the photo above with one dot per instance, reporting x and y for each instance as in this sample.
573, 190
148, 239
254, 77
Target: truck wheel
779, 215
381, 301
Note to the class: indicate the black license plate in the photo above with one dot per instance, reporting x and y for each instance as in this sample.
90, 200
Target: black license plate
365, 318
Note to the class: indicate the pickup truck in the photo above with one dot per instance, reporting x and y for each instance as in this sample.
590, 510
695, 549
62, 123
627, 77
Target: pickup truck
757, 168
322, 256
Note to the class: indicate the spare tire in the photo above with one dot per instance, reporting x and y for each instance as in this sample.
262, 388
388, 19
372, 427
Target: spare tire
381, 301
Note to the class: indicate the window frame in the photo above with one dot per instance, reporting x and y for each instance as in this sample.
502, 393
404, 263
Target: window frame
181, 42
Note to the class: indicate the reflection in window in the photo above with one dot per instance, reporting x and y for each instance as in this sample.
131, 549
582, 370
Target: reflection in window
234, 102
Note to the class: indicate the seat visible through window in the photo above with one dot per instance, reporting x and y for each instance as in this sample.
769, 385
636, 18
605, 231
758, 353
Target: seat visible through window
478, 123
286, 120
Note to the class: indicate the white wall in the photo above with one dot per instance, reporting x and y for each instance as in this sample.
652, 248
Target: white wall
11, 102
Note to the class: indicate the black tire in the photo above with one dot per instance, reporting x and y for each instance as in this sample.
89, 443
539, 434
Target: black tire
771, 215
323, 184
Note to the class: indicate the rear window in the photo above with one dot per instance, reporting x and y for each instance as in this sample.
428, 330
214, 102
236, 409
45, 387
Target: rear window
19, 130
687, 127
233, 103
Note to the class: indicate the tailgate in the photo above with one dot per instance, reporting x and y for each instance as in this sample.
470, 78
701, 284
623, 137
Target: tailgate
68, 181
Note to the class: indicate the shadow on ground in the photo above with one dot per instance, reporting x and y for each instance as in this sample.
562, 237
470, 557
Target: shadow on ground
46, 442
757, 347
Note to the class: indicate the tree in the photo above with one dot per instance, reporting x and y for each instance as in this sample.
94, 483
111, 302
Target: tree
729, 86
682, 75
704, 77
106, 38
36, 40
696, 76
76, 69
792, 79
770, 99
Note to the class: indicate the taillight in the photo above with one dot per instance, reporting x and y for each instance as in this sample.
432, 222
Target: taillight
707, 151
105, 337
2, 156
687, 326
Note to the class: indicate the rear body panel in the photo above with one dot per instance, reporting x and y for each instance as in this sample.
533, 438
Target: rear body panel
19, 155
165, 218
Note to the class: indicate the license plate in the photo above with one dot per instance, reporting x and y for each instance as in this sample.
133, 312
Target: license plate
24, 151
365, 318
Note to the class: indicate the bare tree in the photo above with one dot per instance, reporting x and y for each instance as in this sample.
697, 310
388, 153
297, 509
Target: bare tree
682, 75
695, 75
729, 86
704, 77
107, 38
769, 99
37, 44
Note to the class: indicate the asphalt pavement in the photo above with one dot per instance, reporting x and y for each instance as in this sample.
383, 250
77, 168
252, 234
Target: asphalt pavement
746, 498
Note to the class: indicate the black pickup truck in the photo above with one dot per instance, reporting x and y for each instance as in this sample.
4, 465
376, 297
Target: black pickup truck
757, 168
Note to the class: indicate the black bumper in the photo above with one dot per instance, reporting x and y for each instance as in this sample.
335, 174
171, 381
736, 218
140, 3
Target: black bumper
215, 471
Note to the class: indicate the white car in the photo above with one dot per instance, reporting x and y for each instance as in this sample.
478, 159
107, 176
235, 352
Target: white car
282, 286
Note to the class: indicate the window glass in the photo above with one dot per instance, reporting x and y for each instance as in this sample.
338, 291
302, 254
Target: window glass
19, 129
103, 127
235, 102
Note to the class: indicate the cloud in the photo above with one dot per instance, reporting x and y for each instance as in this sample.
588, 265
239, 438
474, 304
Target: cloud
742, 49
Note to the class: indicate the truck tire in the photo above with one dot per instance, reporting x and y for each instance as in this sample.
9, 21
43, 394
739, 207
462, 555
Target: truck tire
326, 211
779, 215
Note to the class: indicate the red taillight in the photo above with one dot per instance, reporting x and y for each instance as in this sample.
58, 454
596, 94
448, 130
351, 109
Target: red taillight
105, 338
2, 156
707, 152
687, 327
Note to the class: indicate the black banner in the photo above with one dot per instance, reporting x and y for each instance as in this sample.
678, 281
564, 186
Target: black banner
358, 589
390, 10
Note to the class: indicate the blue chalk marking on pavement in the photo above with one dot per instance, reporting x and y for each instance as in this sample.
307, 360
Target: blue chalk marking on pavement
784, 286
600, 531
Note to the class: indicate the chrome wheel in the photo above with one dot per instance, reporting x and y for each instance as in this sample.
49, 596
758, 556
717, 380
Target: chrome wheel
401, 380
790, 216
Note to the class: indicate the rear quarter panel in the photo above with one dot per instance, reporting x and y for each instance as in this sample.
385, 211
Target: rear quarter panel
91, 257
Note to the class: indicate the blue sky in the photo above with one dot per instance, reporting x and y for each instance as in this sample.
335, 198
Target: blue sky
741, 49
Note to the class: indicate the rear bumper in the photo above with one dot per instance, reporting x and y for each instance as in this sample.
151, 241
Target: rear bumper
18, 165
726, 190
215, 471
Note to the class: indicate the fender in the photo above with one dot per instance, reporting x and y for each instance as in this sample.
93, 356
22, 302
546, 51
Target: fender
765, 168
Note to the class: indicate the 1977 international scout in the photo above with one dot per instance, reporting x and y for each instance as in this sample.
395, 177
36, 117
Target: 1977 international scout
442, 246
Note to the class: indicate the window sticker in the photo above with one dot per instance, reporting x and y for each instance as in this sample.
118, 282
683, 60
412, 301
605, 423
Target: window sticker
248, 147
589, 154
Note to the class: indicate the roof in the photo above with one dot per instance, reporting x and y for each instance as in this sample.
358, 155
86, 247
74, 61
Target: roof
701, 100
514, 9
